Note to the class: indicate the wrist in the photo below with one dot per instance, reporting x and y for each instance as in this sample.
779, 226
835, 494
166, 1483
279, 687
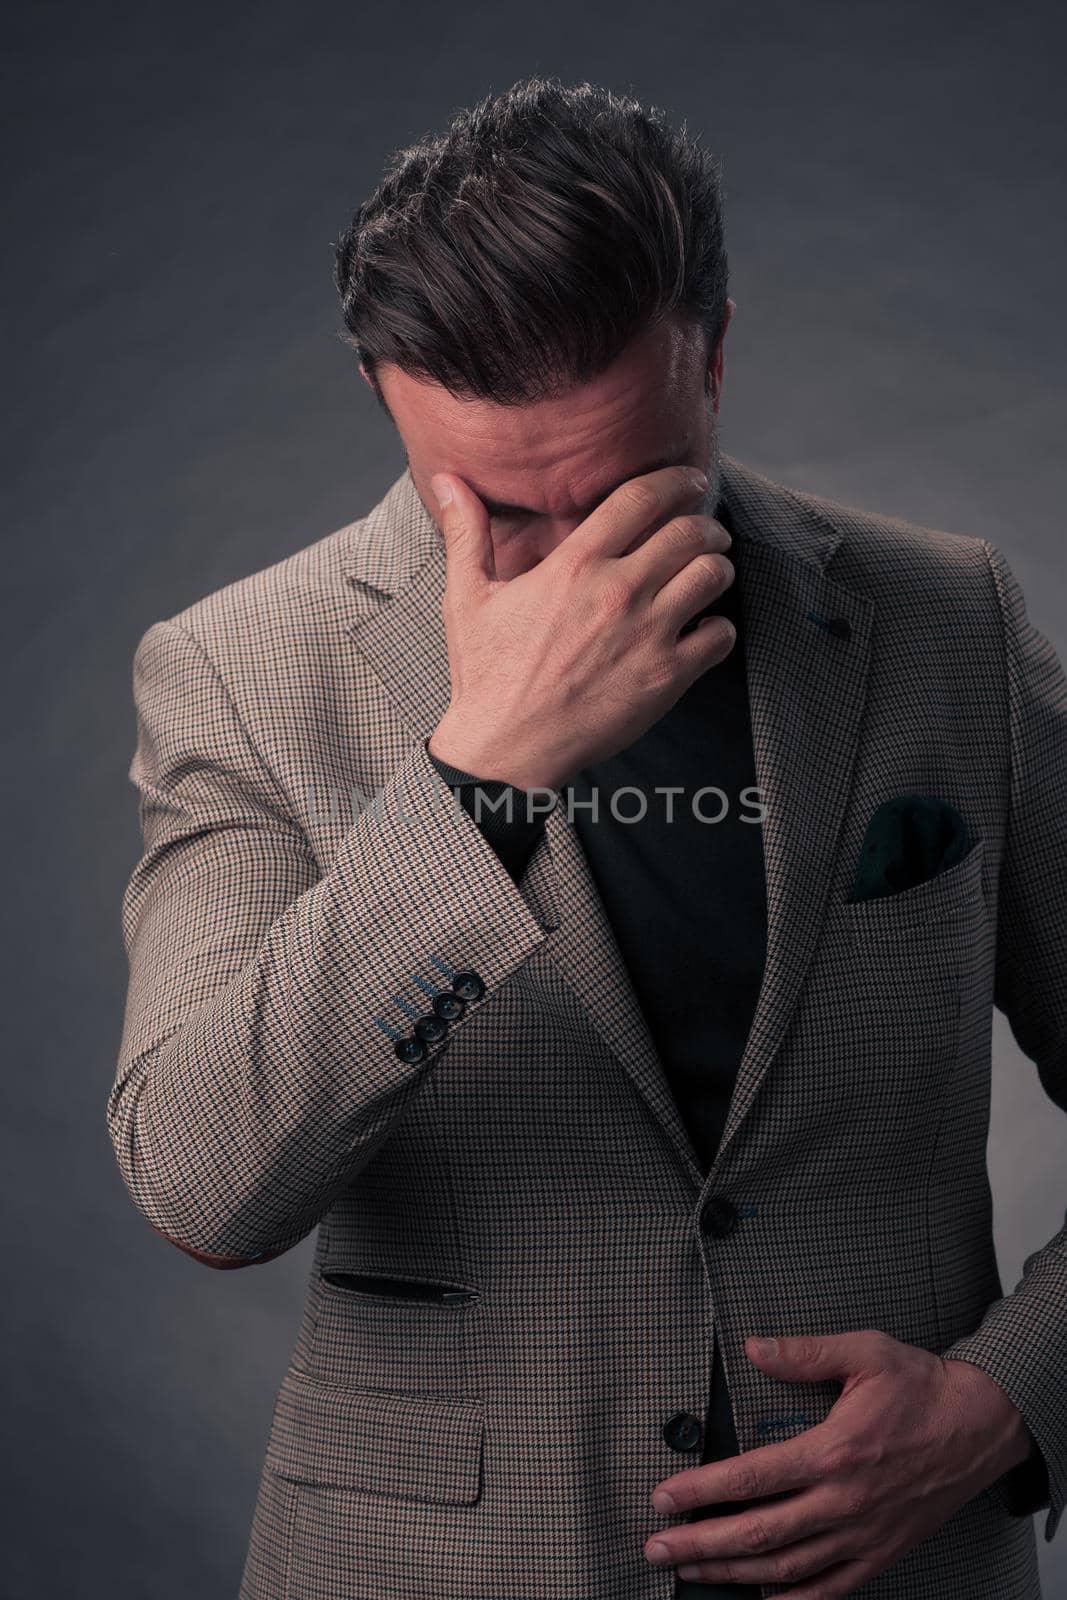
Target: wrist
487, 760
1014, 1444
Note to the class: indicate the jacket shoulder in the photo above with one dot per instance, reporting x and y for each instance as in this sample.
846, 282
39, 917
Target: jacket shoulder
871, 550
303, 596
880, 547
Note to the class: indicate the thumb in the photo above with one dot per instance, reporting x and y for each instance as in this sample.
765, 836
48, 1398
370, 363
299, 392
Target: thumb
815, 1357
464, 524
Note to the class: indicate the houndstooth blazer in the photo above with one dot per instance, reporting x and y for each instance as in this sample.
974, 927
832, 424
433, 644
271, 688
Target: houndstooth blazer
513, 1288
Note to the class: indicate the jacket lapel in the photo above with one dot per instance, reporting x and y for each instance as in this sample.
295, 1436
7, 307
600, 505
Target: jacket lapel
806, 694
807, 690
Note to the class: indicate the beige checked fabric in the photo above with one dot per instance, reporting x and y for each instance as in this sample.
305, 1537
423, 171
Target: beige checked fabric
512, 1291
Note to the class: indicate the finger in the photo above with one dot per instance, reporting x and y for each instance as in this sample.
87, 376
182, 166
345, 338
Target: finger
769, 1469
697, 585
837, 1581
671, 547
705, 646
465, 529
811, 1357
632, 509
746, 1545
781, 1563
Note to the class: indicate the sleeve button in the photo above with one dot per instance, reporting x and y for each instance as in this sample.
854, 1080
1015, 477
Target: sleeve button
410, 1049
430, 1029
468, 985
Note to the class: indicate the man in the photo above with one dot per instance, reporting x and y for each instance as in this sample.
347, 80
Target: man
584, 1095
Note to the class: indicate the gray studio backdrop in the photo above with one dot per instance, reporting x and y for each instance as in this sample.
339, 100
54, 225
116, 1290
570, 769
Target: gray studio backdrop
181, 413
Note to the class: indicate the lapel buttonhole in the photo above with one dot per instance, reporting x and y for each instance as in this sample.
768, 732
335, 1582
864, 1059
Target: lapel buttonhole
838, 626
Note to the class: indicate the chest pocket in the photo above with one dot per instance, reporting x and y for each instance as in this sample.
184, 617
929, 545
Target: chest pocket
391, 1288
939, 900
386, 1329
870, 1055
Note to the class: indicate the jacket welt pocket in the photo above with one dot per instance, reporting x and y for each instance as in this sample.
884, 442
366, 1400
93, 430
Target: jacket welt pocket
424, 1447
377, 1286
950, 895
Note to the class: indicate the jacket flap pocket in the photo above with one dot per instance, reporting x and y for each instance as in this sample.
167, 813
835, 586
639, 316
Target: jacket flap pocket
401, 1444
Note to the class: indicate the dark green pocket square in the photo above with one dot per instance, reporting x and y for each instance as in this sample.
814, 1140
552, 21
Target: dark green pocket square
909, 838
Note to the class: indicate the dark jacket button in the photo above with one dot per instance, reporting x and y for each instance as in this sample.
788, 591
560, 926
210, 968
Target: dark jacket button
719, 1216
430, 1029
683, 1431
410, 1049
468, 986
448, 1006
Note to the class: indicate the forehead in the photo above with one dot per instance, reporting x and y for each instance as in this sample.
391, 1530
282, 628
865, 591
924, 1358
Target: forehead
562, 455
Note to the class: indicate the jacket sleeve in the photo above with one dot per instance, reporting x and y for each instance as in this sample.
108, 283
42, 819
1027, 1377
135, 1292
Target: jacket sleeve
511, 820
1022, 1340
269, 1042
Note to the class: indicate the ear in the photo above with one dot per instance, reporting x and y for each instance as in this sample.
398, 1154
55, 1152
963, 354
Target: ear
715, 365
375, 389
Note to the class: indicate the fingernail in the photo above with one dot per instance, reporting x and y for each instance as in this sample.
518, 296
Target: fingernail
662, 1502
658, 1552
766, 1347
442, 490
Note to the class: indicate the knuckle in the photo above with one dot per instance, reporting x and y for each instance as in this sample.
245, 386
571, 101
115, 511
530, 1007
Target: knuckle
569, 560
856, 1503
720, 641
755, 1535
886, 1347
789, 1569
616, 597
653, 668
638, 499
840, 1460
806, 1349
660, 675
711, 565
686, 532
704, 533
743, 1483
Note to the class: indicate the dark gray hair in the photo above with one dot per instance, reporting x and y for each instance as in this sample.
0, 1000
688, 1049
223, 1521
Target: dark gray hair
518, 253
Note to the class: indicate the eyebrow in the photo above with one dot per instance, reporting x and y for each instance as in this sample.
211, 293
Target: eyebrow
502, 508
